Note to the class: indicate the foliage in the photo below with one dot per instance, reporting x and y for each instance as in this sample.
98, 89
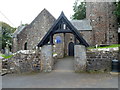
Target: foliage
79, 10
5, 34
5, 56
110, 46
117, 12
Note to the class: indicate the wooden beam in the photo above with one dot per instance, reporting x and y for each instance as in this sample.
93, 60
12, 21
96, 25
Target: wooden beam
51, 39
63, 31
75, 40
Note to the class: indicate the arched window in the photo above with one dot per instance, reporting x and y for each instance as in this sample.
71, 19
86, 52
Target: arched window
25, 46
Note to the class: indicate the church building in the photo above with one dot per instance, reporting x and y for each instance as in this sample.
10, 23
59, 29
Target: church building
100, 27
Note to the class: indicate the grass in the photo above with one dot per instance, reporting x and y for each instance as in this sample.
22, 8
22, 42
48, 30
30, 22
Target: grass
6, 56
111, 46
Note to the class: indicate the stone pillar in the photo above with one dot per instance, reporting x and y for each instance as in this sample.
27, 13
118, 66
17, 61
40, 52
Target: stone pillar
46, 58
80, 58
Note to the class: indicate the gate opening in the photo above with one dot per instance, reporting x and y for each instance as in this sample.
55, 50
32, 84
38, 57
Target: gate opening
71, 49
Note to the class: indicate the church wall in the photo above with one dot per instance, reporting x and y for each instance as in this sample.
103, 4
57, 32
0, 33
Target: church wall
68, 38
87, 35
103, 22
39, 28
35, 31
59, 48
21, 40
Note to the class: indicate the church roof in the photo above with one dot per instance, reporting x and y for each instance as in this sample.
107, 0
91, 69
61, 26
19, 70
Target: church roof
82, 24
18, 30
23, 27
57, 28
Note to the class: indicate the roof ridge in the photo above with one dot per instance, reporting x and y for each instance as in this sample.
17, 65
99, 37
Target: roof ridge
44, 10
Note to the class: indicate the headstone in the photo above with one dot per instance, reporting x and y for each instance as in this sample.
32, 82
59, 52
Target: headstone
7, 50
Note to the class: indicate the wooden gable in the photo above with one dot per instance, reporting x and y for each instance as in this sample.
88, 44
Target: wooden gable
62, 25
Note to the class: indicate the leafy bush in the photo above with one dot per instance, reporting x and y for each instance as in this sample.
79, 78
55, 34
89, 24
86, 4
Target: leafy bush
110, 46
6, 56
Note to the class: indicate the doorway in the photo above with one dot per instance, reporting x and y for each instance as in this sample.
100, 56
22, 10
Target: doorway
118, 38
71, 49
25, 46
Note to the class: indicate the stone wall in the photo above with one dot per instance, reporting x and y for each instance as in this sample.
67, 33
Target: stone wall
69, 37
59, 48
38, 28
34, 32
100, 60
103, 22
24, 61
88, 36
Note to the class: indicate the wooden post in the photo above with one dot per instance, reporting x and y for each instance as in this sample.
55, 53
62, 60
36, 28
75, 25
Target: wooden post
51, 39
75, 41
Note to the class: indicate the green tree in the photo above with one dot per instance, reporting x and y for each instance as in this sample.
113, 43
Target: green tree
5, 34
79, 10
117, 12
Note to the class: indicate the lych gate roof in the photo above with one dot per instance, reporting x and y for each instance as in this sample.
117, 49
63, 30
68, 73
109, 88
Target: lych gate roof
57, 28
82, 24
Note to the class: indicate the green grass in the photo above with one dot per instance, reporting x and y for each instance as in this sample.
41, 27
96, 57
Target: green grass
5, 56
111, 46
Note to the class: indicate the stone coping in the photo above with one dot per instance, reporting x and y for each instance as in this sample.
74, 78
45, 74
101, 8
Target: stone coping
25, 52
104, 49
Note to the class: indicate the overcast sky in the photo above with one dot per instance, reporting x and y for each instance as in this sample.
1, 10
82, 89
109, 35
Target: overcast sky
26, 10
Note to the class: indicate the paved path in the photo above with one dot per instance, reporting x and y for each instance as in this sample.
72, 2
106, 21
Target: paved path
64, 65
62, 77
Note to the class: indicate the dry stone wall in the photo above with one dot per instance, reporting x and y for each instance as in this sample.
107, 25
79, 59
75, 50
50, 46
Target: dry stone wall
24, 61
100, 60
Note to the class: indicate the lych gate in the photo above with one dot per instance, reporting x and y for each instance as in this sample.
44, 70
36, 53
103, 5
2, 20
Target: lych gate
62, 25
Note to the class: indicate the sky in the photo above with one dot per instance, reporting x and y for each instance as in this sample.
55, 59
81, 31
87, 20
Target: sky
15, 12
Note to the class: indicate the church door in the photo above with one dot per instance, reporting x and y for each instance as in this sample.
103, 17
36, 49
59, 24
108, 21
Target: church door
118, 38
71, 49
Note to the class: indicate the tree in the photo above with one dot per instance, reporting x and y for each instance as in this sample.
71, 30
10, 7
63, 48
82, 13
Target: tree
117, 12
5, 35
79, 10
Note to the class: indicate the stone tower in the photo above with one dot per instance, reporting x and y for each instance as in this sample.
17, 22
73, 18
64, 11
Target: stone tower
103, 22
